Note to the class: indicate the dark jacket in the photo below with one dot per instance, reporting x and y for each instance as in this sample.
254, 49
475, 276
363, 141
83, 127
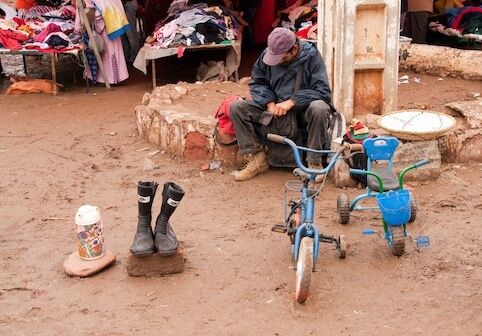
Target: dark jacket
277, 83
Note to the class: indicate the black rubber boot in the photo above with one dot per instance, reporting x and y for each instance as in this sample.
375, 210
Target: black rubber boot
143, 244
164, 238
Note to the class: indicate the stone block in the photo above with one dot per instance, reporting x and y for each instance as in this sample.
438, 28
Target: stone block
371, 120
411, 152
155, 265
341, 175
406, 154
471, 110
196, 147
443, 61
228, 154
74, 266
462, 146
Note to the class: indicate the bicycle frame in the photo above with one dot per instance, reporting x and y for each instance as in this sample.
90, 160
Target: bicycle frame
307, 204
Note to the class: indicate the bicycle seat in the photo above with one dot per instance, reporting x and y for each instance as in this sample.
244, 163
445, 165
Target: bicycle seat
389, 178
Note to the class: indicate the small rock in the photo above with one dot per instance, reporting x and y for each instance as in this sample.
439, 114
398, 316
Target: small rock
112, 133
182, 90
146, 98
150, 165
153, 153
175, 96
244, 81
371, 120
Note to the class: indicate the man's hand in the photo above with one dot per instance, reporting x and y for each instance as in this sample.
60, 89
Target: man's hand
284, 107
271, 108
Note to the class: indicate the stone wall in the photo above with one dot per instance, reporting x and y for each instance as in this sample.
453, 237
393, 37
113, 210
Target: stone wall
179, 119
443, 61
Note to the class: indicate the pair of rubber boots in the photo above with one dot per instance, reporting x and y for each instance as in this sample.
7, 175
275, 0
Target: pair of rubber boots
163, 240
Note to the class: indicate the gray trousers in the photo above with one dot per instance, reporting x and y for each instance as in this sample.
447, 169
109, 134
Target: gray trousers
246, 115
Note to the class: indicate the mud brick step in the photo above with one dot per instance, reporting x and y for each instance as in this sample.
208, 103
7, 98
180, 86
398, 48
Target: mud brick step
155, 265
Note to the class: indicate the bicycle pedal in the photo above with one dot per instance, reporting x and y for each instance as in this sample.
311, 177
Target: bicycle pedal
281, 228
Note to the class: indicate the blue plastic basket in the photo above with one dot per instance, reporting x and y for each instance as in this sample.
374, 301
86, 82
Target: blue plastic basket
395, 206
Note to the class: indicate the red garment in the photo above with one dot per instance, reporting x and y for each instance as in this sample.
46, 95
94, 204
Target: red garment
19, 21
303, 33
11, 39
466, 10
222, 114
51, 28
25, 4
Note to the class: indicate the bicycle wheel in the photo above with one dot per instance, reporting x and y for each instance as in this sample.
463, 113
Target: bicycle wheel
397, 243
343, 208
304, 268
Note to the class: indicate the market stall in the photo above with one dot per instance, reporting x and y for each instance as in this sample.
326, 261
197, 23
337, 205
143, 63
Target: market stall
457, 25
193, 26
41, 30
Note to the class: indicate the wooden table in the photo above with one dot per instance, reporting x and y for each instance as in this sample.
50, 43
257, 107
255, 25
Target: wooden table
233, 56
53, 60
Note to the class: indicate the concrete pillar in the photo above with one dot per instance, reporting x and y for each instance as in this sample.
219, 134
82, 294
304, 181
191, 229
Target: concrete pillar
358, 40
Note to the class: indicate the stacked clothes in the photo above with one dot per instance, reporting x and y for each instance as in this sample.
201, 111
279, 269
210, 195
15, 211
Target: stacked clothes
301, 17
42, 28
194, 23
464, 22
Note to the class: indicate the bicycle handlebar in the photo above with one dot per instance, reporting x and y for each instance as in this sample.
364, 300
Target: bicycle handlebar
400, 177
421, 163
276, 138
356, 147
296, 153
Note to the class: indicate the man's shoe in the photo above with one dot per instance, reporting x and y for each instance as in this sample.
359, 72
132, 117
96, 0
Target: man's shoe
256, 164
317, 166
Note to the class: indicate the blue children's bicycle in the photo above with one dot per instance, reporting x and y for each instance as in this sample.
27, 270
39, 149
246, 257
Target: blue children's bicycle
302, 231
397, 205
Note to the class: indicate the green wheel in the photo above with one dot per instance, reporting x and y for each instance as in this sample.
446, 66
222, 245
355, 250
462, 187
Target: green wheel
413, 208
304, 268
343, 208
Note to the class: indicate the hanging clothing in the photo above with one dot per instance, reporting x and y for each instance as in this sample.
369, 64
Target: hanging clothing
113, 59
115, 19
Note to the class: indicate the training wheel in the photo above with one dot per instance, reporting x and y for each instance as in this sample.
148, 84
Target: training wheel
341, 248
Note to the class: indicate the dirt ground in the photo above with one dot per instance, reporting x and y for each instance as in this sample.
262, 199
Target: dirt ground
57, 153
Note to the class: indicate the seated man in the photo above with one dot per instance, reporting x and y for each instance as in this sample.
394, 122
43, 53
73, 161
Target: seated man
289, 83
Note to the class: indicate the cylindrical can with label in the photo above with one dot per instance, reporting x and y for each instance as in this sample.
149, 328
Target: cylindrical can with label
89, 232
